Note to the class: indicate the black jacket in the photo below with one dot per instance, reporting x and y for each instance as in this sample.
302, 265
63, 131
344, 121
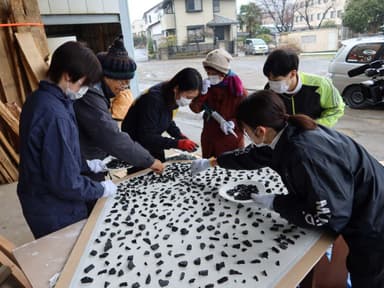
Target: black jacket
148, 118
100, 135
332, 181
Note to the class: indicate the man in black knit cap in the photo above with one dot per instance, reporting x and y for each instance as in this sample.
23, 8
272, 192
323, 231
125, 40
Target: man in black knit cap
99, 134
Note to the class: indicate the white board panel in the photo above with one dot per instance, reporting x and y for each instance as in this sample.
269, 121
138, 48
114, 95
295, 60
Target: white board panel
176, 231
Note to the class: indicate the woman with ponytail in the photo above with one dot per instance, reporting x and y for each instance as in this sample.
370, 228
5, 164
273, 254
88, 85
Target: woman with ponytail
333, 183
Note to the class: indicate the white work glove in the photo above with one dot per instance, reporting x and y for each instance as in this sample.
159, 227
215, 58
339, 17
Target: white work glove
97, 166
108, 159
110, 188
227, 126
199, 165
206, 85
263, 201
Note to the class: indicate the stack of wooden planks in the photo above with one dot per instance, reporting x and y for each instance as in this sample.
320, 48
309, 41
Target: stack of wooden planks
23, 51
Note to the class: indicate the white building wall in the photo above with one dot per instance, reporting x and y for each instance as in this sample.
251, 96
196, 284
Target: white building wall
48, 7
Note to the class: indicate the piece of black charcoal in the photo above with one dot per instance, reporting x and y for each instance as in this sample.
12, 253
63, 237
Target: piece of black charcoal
163, 283
131, 265
161, 262
120, 273
197, 261
108, 245
247, 243
220, 266
274, 249
154, 247
136, 285
142, 227
234, 272
112, 271
255, 261
214, 238
256, 278
158, 271
183, 264
189, 247
209, 257
102, 272
148, 279
264, 273
86, 280
89, 268
169, 274
200, 228
106, 284
277, 263
240, 262
157, 255
203, 272
264, 255
184, 231
223, 254
93, 253
222, 280
191, 280
179, 255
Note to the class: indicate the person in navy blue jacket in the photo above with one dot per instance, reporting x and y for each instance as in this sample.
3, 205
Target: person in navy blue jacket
333, 183
51, 189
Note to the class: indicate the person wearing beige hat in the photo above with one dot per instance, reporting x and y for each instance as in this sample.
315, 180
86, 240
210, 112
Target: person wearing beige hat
221, 94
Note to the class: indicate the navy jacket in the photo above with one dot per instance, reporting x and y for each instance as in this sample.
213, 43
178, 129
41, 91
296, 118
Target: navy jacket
51, 190
332, 182
148, 118
100, 135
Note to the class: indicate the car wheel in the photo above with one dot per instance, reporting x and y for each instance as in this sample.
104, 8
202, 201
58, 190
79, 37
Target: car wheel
354, 97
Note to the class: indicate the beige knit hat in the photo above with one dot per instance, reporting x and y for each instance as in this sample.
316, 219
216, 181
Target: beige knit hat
218, 59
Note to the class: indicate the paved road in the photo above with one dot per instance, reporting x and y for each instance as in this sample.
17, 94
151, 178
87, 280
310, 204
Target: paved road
365, 126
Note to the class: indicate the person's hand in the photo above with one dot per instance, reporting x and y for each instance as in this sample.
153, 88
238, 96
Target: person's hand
227, 126
206, 85
263, 201
110, 188
157, 167
199, 165
97, 166
187, 145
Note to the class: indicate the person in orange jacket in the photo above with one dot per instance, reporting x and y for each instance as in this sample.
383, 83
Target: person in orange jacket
222, 93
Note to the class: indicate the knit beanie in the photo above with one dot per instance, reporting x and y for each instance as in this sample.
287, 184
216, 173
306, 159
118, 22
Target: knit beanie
116, 63
218, 59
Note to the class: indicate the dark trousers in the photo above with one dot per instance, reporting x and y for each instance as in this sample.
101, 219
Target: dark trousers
365, 263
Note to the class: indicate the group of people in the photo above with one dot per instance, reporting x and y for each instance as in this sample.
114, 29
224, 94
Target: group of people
67, 129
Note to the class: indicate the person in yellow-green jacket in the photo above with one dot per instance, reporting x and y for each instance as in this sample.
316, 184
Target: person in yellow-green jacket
302, 93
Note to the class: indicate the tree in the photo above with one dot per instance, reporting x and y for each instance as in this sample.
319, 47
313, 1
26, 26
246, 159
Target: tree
250, 17
281, 11
364, 15
305, 10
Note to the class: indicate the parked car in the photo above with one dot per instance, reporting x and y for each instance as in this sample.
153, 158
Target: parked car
354, 53
256, 46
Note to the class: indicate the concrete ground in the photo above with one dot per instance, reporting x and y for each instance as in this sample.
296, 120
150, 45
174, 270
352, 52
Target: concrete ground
365, 126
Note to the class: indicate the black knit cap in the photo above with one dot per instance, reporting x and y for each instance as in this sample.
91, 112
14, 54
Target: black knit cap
116, 63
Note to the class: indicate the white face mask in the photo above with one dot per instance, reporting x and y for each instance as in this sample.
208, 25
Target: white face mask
279, 87
183, 101
214, 79
76, 95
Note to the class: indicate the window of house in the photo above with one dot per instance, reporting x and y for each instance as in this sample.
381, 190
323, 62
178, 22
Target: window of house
318, 16
311, 17
318, 1
193, 5
168, 9
149, 19
333, 14
216, 6
339, 14
195, 33
363, 53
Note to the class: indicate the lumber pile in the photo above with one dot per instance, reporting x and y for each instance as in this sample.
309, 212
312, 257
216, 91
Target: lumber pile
23, 51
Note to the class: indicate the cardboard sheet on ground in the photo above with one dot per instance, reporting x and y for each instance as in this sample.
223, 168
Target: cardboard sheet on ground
177, 231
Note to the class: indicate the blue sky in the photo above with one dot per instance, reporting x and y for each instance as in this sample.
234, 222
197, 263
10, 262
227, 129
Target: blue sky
138, 7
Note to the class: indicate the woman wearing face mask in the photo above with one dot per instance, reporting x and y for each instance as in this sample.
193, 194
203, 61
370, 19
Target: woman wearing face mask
302, 93
151, 114
222, 93
333, 183
51, 189
100, 135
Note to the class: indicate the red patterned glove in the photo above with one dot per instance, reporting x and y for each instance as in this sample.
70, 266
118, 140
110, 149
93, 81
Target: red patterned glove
187, 145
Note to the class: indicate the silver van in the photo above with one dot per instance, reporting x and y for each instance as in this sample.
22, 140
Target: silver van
354, 53
255, 46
